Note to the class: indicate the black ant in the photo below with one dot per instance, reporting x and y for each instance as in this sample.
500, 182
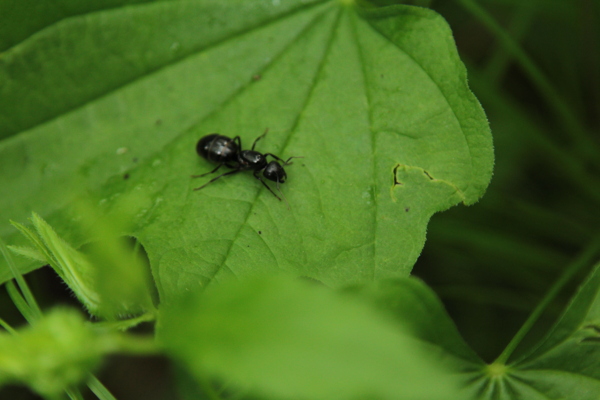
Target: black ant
226, 151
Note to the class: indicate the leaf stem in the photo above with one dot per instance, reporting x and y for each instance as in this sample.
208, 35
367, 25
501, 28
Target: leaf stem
580, 261
500, 60
565, 115
136, 344
20, 302
33, 311
568, 163
126, 324
7, 327
74, 394
99, 389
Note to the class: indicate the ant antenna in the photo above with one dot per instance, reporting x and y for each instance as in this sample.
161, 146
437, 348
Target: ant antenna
287, 162
258, 138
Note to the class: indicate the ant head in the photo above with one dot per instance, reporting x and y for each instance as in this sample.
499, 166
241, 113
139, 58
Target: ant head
275, 172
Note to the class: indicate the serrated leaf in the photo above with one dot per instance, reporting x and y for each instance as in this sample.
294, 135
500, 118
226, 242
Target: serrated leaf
109, 279
113, 103
288, 340
28, 252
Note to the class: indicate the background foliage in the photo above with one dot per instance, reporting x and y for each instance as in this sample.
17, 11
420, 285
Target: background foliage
492, 263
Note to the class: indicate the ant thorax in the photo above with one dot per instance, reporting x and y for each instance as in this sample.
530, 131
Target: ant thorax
250, 159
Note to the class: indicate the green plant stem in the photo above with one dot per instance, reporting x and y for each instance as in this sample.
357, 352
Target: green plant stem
20, 302
137, 344
74, 394
565, 115
34, 310
543, 221
568, 163
484, 295
519, 24
99, 389
7, 327
502, 244
126, 324
583, 259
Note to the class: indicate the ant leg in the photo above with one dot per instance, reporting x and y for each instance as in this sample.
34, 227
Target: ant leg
208, 173
235, 171
274, 156
258, 138
239, 142
287, 162
265, 184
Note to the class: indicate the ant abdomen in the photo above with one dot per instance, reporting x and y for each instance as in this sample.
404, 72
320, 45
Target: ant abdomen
218, 148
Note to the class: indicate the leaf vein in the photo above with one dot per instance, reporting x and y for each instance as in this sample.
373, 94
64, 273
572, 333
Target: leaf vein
294, 126
373, 140
142, 73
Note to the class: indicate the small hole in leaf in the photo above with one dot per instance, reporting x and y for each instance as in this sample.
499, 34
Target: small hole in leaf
396, 181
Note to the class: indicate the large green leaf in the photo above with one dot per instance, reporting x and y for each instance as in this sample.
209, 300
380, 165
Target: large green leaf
287, 340
414, 305
22, 18
111, 103
264, 334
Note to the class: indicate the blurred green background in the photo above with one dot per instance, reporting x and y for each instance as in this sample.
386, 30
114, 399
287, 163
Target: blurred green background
537, 74
492, 262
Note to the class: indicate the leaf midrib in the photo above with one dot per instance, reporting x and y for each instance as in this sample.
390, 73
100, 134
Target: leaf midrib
292, 130
373, 139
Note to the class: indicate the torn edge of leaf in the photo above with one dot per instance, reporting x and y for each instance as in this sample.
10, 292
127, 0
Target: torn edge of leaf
407, 168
